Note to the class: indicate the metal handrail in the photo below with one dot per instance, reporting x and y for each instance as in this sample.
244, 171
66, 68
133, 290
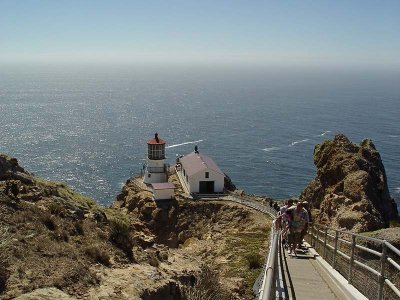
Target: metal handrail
317, 236
268, 289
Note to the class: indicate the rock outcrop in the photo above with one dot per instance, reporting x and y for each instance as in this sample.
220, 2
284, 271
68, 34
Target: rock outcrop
219, 234
61, 244
350, 190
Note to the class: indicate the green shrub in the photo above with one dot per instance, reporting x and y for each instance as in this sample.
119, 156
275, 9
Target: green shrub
79, 228
3, 277
120, 235
48, 221
57, 209
254, 260
153, 260
97, 254
5, 244
206, 286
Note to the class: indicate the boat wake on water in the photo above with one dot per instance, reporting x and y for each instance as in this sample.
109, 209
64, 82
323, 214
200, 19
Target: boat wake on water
298, 142
325, 132
181, 144
268, 149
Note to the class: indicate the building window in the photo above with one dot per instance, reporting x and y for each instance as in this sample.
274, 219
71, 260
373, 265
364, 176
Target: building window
184, 172
207, 175
149, 175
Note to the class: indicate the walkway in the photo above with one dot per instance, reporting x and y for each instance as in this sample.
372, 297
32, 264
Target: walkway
301, 277
305, 279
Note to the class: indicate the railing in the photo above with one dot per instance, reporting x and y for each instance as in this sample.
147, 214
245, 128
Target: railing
197, 196
371, 265
350, 254
157, 169
267, 289
250, 202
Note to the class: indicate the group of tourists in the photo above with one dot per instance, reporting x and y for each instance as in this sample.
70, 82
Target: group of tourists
273, 204
293, 219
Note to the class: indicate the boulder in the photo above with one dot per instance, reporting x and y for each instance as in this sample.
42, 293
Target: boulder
9, 166
350, 189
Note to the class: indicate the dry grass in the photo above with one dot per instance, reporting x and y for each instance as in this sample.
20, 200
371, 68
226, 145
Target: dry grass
98, 254
61, 190
5, 243
206, 287
254, 260
247, 261
120, 235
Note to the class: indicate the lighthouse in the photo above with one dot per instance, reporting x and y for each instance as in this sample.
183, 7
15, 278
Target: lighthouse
156, 169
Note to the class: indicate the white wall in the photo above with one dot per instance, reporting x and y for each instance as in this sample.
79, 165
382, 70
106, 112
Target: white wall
163, 194
213, 176
155, 177
155, 163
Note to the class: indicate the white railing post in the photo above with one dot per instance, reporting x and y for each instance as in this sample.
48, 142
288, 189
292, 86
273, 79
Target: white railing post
382, 272
353, 247
325, 238
335, 250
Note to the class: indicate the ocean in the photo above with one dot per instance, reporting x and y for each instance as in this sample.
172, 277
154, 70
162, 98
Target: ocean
88, 125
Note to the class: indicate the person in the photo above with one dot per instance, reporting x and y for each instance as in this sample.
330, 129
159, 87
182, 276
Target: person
283, 209
298, 218
285, 221
276, 207
305, 229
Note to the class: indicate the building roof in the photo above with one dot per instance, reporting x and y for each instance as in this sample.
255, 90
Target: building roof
156, 141
163, 186
194, 163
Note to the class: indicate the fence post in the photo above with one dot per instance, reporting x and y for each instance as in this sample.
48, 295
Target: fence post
312, 235
353, 247
335, 250
325, 238
382, 273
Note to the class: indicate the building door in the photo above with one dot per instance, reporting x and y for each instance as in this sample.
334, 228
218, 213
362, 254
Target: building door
206, 187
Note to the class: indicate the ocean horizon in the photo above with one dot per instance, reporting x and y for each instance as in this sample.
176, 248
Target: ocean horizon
87, 126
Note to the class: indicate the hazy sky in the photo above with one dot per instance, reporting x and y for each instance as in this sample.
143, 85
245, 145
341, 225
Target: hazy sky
336, 32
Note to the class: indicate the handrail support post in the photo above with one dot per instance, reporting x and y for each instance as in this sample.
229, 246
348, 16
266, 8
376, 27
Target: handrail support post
353, 247
325, 238
335, 250
382, 273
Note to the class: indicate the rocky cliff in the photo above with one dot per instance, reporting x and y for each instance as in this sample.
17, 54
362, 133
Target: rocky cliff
54, 241
350, 190
221, 235
51, 236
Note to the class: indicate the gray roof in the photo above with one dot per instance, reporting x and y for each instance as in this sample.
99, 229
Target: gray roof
194, 163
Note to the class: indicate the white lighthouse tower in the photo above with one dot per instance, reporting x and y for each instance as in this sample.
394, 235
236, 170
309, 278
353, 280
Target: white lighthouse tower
156, 169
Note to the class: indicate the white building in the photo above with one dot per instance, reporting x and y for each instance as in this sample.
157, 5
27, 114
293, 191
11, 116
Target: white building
162, 191
156, 169
200, 174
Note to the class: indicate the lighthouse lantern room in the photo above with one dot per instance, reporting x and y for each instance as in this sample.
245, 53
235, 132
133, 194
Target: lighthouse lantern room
156, 169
